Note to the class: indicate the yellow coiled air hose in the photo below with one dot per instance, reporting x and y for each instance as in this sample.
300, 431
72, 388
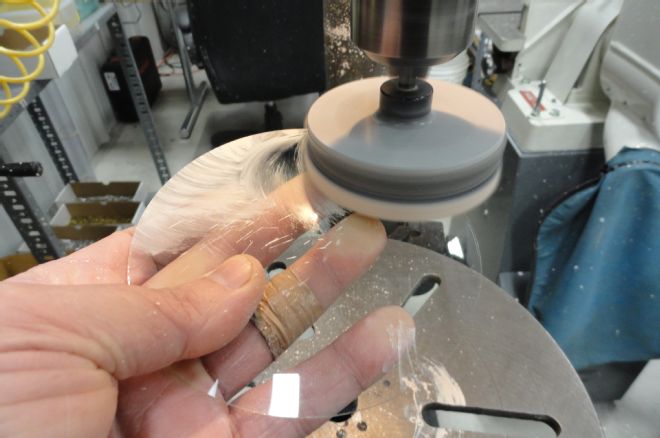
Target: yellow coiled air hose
37, 50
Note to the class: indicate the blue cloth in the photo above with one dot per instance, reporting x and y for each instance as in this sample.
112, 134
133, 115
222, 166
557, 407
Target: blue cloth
596, 285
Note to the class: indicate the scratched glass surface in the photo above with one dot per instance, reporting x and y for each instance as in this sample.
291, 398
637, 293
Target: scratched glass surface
251, 196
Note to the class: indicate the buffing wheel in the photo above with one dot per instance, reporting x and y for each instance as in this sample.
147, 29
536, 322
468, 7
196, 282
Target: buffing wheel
423, 168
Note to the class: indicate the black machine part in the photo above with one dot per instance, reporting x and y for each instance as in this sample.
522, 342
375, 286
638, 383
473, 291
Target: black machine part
408, 38
22, 169
260, 50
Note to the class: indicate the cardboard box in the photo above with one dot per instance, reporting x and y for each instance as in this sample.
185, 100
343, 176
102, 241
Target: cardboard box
91, 233
77, 237
80, 224
58, 59
16, 264
101, 213
87, 192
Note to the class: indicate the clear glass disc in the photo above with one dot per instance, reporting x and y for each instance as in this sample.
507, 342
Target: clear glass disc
251, 196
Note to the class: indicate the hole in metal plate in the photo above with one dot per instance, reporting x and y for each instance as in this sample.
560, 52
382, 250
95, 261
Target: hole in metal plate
275, 268
308, 334
490, 421
421, 293
346, 413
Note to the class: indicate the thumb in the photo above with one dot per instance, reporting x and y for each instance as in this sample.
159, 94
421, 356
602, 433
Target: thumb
130, 331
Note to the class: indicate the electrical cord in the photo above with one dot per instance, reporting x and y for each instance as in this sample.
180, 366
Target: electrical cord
37, 49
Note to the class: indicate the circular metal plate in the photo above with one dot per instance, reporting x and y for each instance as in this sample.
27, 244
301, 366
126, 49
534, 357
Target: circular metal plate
477, 349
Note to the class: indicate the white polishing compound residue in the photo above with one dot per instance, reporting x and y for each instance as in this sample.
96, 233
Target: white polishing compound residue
435, 384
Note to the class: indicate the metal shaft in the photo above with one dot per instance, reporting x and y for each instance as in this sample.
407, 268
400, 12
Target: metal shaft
183, 52
417, 34
539, 100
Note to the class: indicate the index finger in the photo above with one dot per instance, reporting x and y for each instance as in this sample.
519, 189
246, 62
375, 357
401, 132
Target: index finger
279, 219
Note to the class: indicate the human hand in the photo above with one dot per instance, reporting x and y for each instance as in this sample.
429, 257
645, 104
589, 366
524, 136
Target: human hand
84, 354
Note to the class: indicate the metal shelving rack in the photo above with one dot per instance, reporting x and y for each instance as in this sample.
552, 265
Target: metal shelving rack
51, 140
136, 88
15, 196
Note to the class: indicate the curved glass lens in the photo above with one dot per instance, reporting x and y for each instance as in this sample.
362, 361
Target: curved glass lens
323, 334
332, 339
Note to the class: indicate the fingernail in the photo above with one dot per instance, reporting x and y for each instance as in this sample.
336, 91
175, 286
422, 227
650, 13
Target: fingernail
234, 272
357, 224
356, 228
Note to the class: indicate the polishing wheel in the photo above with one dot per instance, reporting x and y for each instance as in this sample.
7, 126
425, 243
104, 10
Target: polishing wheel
407, 149
426, 167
